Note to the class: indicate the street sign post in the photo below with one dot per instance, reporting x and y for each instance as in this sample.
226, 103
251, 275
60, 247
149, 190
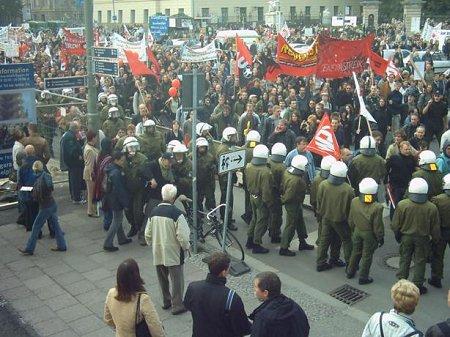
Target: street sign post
108, 68
231, 161
103, 52
64, 82
159, 25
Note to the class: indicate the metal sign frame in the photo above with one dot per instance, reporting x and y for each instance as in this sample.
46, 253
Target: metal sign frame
106, 52
65, 82
97, 63
231, 161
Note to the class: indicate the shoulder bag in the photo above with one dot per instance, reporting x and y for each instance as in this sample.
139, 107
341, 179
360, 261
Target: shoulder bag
141, 328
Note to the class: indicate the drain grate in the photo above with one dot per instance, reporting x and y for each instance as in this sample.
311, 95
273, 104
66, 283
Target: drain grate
348, 294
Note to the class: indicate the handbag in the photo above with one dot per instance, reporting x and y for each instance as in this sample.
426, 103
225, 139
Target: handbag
141, 328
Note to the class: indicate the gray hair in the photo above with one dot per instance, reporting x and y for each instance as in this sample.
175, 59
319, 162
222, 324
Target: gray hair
169, 192
73, 126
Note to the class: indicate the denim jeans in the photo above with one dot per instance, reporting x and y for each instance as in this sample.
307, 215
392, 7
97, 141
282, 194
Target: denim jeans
115, 228
107, 219
46, 214
76, 182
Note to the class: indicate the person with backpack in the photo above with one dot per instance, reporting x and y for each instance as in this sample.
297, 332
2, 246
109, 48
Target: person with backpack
397, 322
42, 192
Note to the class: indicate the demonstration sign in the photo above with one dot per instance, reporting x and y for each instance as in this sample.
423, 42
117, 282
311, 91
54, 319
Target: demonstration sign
191, 55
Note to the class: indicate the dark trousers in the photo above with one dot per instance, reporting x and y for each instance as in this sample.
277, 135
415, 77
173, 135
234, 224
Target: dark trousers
397, 194
223, 198
76, 182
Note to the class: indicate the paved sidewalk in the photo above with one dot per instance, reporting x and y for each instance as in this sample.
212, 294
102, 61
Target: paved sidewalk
62, 294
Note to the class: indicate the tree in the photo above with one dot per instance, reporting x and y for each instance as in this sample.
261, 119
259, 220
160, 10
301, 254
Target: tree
390, 9
10, 11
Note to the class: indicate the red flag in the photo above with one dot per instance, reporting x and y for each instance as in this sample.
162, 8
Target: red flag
324, 142
339, 58
378, 64
23, 49
137, 67
273, 71
288, 55
244, 58
151, 57
73, 44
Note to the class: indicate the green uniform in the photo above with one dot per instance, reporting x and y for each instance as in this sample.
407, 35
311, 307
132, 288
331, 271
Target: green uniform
433, 179
104, 113
366, 222
223, 179
247, 216
206, 184
313, 201
415, 223
293, 189
183, 176
442, 202
363, 166
112, 126
152, 145
333, 207
276, 212
259, 182
133, 171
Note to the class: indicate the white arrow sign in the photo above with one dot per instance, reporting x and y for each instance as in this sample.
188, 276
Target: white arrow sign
231, 161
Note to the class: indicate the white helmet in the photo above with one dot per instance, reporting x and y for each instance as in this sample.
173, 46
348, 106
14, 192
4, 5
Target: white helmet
149, 122
113, 112
279, 149
253, 136
44, 93
112, 97
261, 151
172, 144
299, 162
427, 157
228, 132
326, 162
67, 91
446, 180
180, 148
130, 145
368, 186
339, 169
418, 190
101, 95
200, 127
367, 145
201, 142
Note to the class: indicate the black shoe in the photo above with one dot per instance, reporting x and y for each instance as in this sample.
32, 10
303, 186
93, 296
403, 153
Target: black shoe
249, 244
323, 267
232, 227
286, 252
337, 263
179, 311
166, 306
258, 249
435, 282
111, 249
365, 280
133, 231
25, 252
275, 239
350, 276
125, 242
246, 219
57, 249
303, 245
423, 290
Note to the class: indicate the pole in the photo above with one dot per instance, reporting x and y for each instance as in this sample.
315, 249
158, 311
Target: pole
92, 91
114, 10
194, 157
227, 207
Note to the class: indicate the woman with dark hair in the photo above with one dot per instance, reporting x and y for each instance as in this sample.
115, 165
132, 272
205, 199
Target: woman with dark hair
128, 303
90, 154
294, 124
175, 133
99, 177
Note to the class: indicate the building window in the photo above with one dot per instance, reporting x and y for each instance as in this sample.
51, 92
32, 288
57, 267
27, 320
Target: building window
321, 10
293, 12
308, 10
167, 11
145, 19
205, 12
243, 14
181, 11
120, 15
108, 16
99, 16
260, 14
336, 10
348, 10
224, 12
132, 16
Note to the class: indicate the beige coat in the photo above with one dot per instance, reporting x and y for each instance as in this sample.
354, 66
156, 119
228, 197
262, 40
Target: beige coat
121, 315
90, 154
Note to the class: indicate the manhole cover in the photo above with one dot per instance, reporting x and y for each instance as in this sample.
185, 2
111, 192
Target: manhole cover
348, 294
392, 261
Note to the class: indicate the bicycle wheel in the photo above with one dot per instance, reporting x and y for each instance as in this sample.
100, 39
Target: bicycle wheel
232, 245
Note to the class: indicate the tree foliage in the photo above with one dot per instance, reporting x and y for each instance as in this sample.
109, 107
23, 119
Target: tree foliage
393, 9
10, 11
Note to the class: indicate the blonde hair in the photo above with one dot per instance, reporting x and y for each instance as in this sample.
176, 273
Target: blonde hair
405, 296
38, 166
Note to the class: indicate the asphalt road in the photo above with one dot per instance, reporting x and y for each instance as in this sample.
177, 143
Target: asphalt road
11, 324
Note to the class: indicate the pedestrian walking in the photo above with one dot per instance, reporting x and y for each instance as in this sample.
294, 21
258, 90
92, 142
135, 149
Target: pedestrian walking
90, 154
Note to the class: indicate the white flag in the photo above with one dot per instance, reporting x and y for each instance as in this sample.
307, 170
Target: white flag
362, 106
284, 31
38, 39
392, 69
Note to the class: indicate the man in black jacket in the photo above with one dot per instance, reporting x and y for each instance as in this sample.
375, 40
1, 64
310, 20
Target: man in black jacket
278, 315
216, 309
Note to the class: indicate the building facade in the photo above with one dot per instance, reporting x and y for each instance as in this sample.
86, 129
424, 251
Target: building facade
219, 11
70, 11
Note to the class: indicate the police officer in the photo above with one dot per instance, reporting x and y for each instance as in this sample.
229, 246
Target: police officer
206, 168
334, 197
325, 165
366, 222
112, 102
182, 170
204, 130
112, 125
102, 101
252, 139
293, 189
277, 156
429, 171
229, 141
134, 175
415, 220
259, 182
367, 164
172, 144
442, 202
152, 141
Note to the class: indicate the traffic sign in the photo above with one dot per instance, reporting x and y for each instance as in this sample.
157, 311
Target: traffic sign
109, 68
159, 25
231, 161
65, 82
103, 52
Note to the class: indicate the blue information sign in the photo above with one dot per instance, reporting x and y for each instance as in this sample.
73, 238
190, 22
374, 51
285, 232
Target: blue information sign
111, 53
159, 26
64, 82
16, 76
108, 68
6, 163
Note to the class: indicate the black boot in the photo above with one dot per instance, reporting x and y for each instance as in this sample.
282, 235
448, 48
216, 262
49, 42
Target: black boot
286, 252
423, 290
275, 239
133, 231
337, 263
249, 244
303, 245
365, 280
435, 282
258, 249
323, 267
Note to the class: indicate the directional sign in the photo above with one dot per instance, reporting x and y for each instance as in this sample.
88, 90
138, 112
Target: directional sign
108, 68
231, 161
111, 53
65, 82
159, 25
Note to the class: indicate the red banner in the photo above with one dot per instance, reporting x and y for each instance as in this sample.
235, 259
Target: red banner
73, 44
151, 57
243, 57
378, 64
137, 67
288, 55
324, 142
273, 71
339, 58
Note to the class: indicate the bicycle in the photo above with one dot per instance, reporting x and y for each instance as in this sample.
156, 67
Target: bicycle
209, 224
